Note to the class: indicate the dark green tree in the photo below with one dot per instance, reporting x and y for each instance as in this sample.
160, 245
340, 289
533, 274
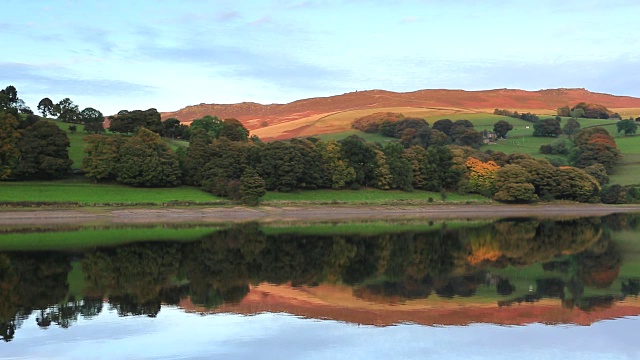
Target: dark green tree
361, 157
101, 158
9, 153
501, 128
93, 120
399, 167
127, 122
45, 106
252, 187
44, 152
145, 160
208, 123
628, 126
571, 127
233, 130
547, 127
67, 111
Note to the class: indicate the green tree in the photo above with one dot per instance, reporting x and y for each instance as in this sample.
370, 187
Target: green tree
93, 120
144, 160
208, 123
9, 153
101, 158
338, 173
198, 155
233, 130
547, 128
513, 185
628, 126
564, 111
361, 158
67, 111
127, 122
43, 152
571, 127
501, 128
252, 187
45, 106
399, 166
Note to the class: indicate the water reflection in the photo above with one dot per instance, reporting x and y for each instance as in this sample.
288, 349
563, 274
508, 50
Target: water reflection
449, 273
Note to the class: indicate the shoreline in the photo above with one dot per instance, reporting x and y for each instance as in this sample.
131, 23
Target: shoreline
302, 213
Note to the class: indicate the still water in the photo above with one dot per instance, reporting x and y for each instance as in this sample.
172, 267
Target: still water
508, 288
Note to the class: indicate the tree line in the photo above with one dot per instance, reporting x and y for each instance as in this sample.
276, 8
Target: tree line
224, 159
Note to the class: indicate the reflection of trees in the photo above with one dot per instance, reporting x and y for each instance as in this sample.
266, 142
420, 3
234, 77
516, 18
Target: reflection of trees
392, 267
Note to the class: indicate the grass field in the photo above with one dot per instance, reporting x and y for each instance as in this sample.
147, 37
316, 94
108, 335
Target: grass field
368, 196
87, 193
367, 136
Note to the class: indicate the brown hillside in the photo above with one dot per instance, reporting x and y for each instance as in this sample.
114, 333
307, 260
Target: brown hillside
254, 115
338, 303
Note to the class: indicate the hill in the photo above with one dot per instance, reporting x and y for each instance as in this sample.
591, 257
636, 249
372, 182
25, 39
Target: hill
335, 113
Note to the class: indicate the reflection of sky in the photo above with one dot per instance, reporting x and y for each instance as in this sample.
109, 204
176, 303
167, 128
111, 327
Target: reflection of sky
174, 334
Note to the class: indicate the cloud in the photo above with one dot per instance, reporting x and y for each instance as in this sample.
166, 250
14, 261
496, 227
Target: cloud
67, 83
280, 69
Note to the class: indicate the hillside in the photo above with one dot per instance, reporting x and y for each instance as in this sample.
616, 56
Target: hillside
335, 113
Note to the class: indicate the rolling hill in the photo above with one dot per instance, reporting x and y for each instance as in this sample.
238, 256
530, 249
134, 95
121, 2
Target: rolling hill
333, 114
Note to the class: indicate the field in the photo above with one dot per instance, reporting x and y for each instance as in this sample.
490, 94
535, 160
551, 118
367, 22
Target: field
367, 196
84, 192
339, 122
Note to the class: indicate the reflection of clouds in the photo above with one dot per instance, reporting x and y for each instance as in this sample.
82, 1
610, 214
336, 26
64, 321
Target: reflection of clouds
174, 334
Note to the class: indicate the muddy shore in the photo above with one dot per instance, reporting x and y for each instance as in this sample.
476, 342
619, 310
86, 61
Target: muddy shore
10, 216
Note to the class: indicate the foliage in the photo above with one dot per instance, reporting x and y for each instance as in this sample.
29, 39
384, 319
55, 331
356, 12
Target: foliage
399, 167
557, 147
481, 176
571, 127
592, 111
547, 128
233, 130
628, 126
46, 106
614, 194
361, 157
593, 146
9, 153
514, 114
127, 122
43, 151
93, 120
252, 187
67, 111
372, 123
144, 160
501, 128
101, 156
338, 173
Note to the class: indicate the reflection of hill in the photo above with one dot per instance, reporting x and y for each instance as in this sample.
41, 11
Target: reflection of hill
338, 303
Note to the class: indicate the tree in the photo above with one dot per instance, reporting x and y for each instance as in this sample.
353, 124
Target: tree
360, 157
9, 153
208, 123
501, 128
233, 130
577, 113
399, 166
571, 127
444, 126
102, 156
547, 127
338, 173
513, 185
93, 120
171, 128
43, 152
144, 160
45, 106
564, 111
628, 126
67, 111
252, 187
127, 122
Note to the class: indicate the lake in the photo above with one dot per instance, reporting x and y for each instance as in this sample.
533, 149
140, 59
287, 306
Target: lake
493, 288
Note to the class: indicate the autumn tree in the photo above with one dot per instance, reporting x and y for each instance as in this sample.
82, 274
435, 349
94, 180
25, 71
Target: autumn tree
513, 185
481, 176
339, 174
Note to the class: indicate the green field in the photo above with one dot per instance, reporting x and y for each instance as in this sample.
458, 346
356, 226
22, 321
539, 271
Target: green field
87, 193
367, 136
367, 196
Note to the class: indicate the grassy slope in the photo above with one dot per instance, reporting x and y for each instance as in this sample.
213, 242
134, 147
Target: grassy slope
366, 196
85, 192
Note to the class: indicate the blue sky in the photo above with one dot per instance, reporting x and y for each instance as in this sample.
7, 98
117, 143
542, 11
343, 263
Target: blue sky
135, 54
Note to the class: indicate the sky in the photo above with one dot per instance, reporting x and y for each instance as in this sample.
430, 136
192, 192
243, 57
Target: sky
136, 54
